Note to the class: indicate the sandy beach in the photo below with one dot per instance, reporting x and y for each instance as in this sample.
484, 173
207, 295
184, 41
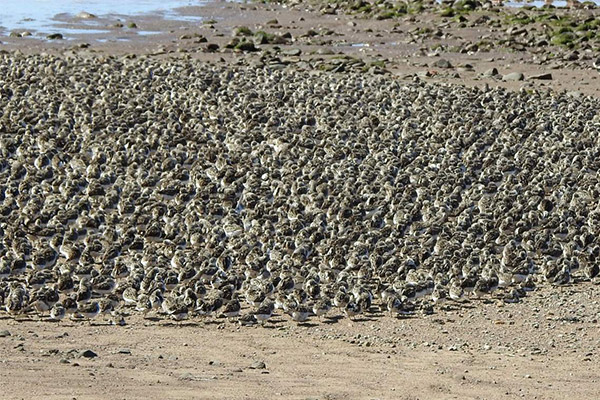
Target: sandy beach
156, 122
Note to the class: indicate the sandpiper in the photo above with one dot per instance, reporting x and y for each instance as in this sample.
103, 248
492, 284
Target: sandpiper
57, 312
300, 313
231, 308
321, 307
264, 312
89, 310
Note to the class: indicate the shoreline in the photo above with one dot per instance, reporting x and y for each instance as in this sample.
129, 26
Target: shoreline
316, 38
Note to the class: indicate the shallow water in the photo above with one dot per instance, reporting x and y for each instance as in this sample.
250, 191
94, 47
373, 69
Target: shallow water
537, 4
44, 15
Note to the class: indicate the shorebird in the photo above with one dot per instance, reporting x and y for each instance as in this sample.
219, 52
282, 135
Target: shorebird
156, 299
17, 300
57, 312
321, 307
174, 308
84, 293
65, 284
89, 310
300, 313
456, 291
130, 296
351, 310
264, 312
231, 308
70, 305
591, 271
341, 299
394, 305
439, 295
5, 270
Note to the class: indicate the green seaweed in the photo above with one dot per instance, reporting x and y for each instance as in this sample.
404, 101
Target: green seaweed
566, 38
242, 31
447, 12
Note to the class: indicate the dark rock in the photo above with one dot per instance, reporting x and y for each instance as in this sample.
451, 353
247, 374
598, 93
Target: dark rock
442, 63
542, 77
573, 56
211, 47
491, 72
246, 46
471, 48
54, 36
88, 354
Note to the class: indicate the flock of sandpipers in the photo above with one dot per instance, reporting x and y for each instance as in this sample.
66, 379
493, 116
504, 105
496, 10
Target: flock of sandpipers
181, 190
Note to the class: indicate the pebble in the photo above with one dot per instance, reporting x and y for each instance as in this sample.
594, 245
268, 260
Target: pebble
513, 76
441, 63
258, 365
85, 15
4, 333
291, 52
187, 377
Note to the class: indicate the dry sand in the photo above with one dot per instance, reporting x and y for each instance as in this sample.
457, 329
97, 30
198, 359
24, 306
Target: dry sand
546, 347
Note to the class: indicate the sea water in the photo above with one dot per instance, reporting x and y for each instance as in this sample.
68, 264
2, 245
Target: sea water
46, 15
